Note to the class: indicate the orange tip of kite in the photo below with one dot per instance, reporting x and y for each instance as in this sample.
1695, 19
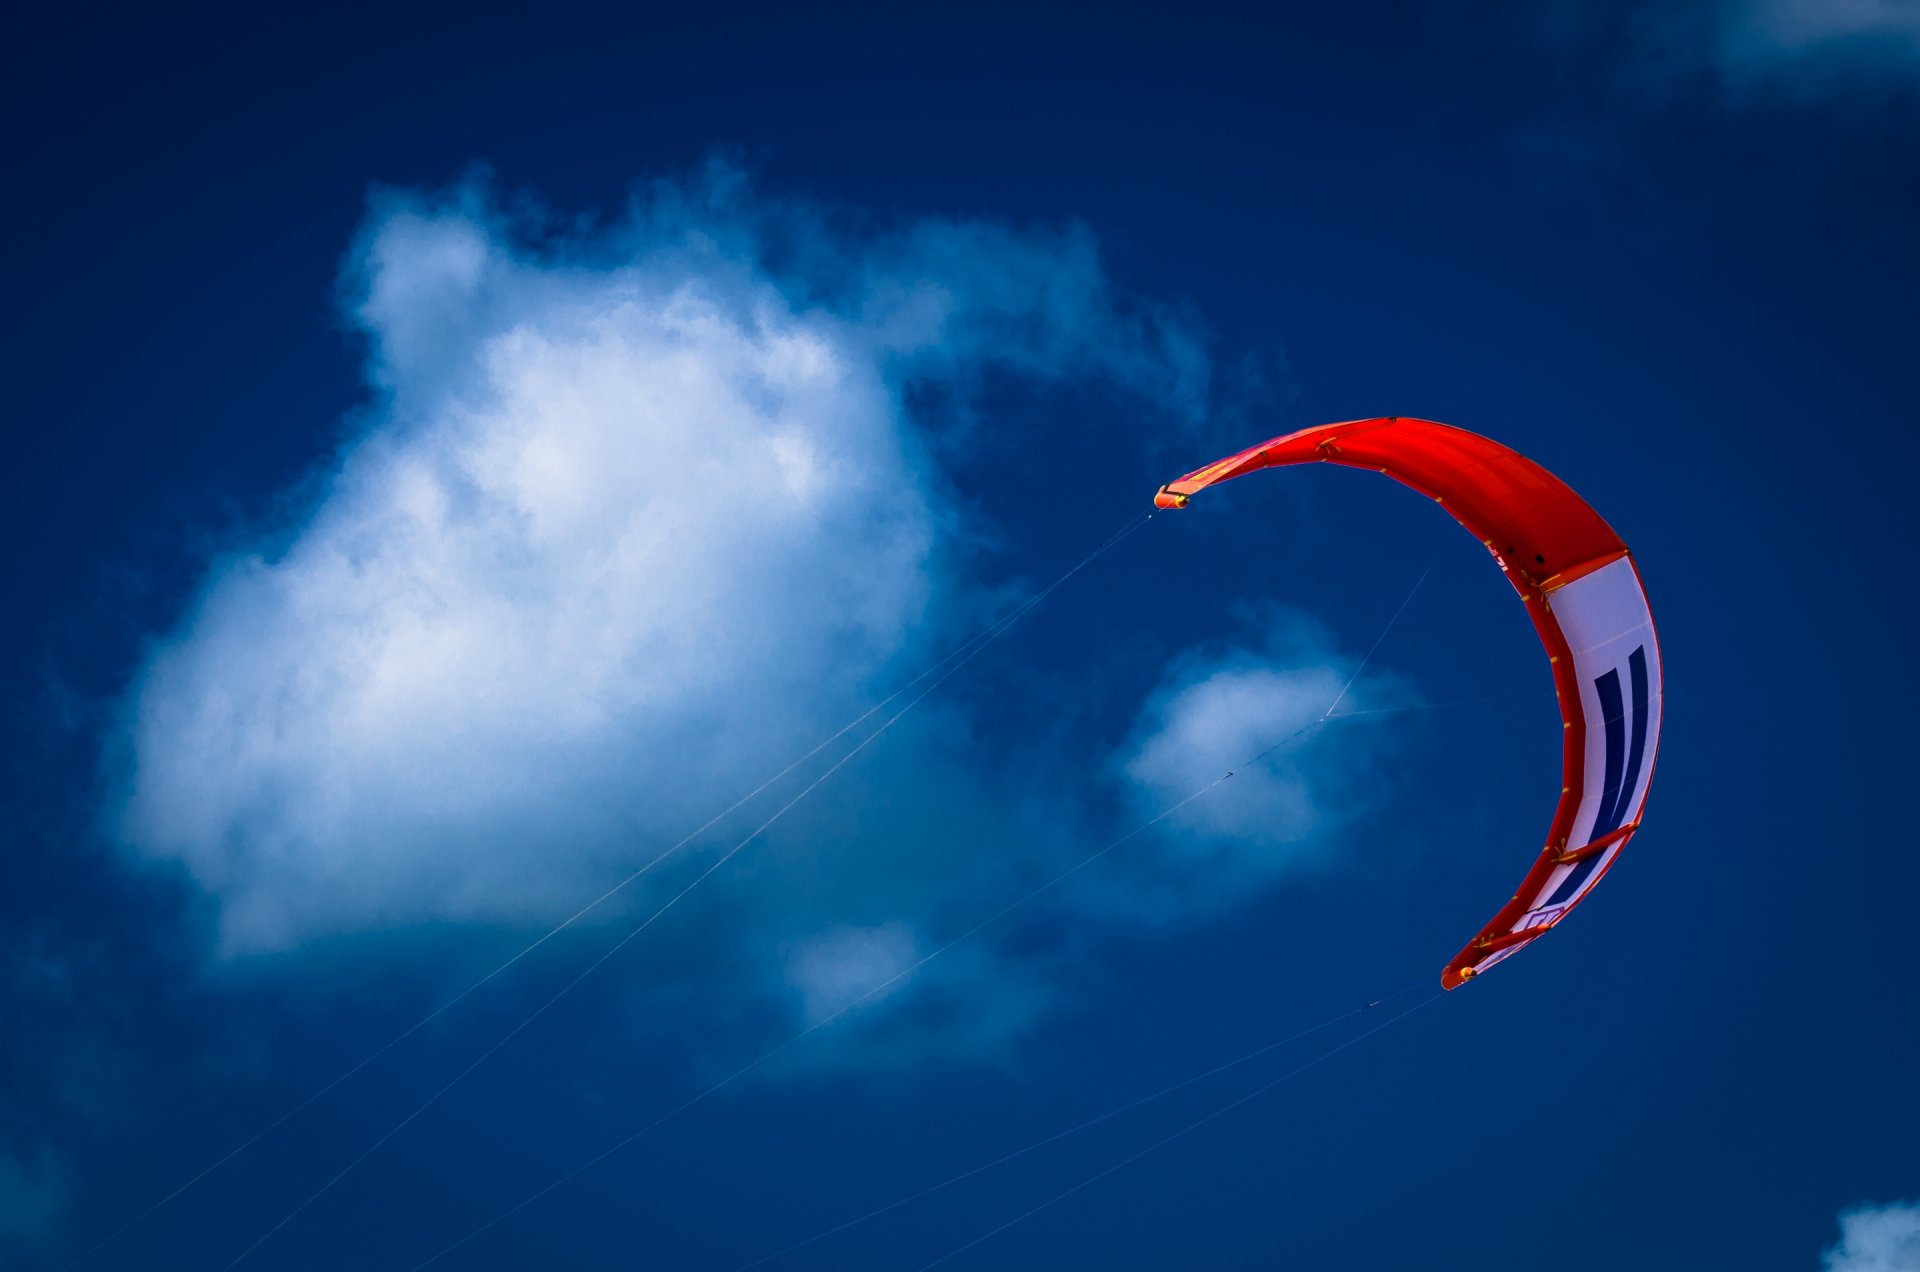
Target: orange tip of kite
1167, 499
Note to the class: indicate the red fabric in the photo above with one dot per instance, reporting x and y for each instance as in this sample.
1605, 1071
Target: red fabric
1524, 514
1540, 532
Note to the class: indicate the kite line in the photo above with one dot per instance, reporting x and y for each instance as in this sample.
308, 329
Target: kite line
1091, 1122
1186, 1130
952, 664
901, 975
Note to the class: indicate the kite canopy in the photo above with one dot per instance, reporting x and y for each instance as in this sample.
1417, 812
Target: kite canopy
1580, 586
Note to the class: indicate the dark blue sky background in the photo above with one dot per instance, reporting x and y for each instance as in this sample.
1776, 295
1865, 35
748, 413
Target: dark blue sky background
1669, 254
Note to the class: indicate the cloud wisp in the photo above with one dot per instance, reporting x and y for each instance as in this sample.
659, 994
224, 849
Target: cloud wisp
1783, 39
1877, 1239
32, 1198
1220, 708
1834, 51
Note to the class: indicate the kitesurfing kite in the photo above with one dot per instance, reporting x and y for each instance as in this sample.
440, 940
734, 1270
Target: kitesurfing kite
1580, 585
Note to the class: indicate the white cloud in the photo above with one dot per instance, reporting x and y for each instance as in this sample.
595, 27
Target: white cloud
1877, 1239
1217, 711
835, 970
635, 518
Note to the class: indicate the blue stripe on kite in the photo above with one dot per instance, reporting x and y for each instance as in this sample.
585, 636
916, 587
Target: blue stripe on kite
1637, 672
1613, 711
1575, 877
1617, 793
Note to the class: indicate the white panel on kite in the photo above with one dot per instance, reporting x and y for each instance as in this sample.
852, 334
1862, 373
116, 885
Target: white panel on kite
1616, 663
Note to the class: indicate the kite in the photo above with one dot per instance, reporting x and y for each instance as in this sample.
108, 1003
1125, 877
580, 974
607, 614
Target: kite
1584, 593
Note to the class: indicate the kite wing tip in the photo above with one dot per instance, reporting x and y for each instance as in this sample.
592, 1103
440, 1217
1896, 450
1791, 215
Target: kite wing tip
1166, 498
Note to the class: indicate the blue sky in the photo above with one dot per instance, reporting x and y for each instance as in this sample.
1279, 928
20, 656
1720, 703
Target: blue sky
451, 461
